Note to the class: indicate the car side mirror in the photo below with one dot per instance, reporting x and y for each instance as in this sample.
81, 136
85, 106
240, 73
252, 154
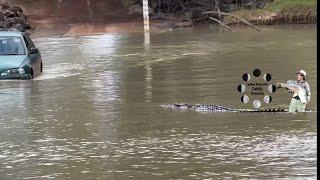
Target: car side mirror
33, 50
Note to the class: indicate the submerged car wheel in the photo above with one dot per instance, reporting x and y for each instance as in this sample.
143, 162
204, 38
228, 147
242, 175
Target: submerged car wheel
31, 74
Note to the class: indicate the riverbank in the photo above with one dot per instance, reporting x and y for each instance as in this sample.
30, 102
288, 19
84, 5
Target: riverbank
57, 26
279, 12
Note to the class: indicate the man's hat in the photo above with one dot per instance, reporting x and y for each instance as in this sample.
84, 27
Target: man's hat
303, 73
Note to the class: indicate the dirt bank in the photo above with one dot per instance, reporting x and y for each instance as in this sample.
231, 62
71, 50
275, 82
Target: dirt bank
57, 26
48, 20
74, 20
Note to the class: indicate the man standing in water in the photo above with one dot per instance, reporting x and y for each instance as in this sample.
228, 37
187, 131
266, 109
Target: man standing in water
299, 103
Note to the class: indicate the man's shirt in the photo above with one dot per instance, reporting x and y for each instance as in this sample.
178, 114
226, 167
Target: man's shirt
305, 85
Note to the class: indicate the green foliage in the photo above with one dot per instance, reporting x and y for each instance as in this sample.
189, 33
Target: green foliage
126, 3
279, 5
286, 9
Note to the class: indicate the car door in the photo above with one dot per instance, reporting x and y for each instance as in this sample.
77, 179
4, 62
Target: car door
34, 55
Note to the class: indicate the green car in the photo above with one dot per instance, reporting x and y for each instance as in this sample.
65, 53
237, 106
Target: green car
19, 58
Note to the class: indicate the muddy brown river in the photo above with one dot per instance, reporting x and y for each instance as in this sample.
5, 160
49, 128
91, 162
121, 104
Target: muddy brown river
95, 114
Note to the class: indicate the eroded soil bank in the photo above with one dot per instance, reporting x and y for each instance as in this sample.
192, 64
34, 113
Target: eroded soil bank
73, 20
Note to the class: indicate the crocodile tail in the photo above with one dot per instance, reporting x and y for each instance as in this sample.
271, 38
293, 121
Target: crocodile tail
262, 110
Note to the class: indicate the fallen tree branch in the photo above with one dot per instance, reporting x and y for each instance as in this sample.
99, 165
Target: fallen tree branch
239, 18
224, 25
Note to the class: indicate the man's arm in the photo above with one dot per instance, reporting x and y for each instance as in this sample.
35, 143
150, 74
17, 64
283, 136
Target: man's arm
285, 85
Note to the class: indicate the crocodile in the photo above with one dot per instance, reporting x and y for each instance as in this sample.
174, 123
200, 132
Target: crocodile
217, 108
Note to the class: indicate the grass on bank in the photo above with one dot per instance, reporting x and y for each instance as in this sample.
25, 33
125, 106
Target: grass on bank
279, 5
284, 8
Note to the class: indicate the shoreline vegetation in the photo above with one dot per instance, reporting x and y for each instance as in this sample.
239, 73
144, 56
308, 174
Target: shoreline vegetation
232, 12
110, 16
279, 12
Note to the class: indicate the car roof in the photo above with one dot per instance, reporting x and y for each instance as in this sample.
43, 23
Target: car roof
11, 33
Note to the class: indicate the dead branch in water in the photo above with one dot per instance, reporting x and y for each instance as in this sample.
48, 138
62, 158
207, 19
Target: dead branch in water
222, 24
227, 14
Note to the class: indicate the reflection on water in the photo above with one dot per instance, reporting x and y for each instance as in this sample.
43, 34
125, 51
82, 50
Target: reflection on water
94, 113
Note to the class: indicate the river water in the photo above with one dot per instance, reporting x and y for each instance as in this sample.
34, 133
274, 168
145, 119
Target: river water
95, 114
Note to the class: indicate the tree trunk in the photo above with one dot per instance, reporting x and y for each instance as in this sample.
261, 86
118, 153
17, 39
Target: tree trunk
60, 2
89, 7
218, 8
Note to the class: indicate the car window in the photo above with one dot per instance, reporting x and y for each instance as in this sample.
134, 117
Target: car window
10, 45
28, 41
